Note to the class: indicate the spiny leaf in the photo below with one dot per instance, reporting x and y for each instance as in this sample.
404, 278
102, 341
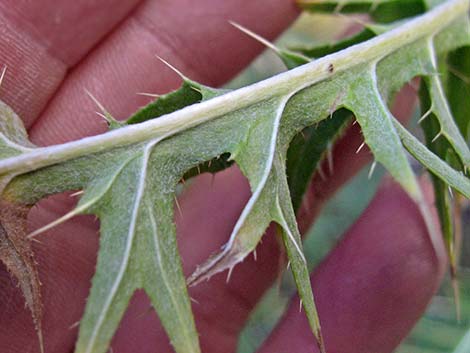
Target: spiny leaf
130, 174
383, 47
444, 202
137, 250
305, 152
251, 158
285, 217
189, 93
377, 126
309, 147
433, 99
184, 96
441, 110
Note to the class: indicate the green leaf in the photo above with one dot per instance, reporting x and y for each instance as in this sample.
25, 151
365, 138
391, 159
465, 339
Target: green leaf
189, 93
320, 50
309, 148
442, 192
285, 217
379, 10
130, 174
458, 88
137, 250
13, 136
440, 108
377, 126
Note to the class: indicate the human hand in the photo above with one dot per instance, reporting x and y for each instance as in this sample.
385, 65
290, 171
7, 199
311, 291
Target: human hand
369, 291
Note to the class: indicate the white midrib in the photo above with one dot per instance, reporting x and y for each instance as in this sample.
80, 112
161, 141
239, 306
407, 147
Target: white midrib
407, 180
256, 194
205, 270
286, 83
128, 248
288, 231
166, 283
267, 170
448, 126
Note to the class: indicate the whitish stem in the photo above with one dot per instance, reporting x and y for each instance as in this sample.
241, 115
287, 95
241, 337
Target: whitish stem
285, 83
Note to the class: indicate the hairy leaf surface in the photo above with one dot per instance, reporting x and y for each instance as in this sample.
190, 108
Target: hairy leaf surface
130, 174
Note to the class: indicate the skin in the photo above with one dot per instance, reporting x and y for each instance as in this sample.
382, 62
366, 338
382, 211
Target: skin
370, 290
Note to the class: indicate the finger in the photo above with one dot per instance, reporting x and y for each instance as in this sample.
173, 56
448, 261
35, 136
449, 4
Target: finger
375, 284
41, 39
198, 40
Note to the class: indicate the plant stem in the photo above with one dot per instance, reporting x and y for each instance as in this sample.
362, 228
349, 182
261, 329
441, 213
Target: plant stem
280, 85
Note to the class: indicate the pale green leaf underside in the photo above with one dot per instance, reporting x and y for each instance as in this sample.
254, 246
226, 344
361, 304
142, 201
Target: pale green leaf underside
130, 174
137, 251
13, 138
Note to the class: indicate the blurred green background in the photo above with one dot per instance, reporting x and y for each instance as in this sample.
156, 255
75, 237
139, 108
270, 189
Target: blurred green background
438, 331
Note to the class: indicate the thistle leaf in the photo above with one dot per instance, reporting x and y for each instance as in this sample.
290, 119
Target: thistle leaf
377, 126
441, 110
137, 250
189, 93
130, 174
285, 217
